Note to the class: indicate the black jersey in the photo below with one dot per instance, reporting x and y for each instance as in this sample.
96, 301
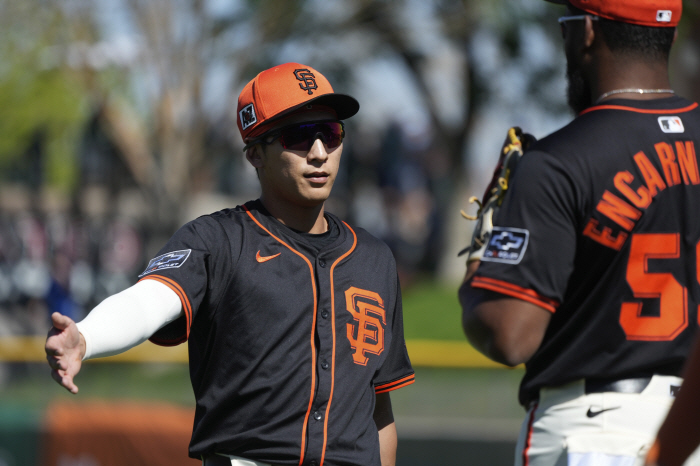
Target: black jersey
601, 227
288, 344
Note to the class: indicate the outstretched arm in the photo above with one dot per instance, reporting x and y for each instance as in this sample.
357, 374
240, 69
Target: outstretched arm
118, 323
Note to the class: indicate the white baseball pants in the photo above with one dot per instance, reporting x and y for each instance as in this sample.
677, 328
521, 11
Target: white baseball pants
226, 460
568, 427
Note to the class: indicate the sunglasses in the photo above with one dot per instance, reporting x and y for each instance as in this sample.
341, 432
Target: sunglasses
302, 136
564, 19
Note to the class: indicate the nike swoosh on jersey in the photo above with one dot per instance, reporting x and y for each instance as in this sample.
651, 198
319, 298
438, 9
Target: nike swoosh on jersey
591, 413
262, 259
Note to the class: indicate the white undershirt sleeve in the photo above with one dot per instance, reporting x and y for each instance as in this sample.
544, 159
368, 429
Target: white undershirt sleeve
129, 318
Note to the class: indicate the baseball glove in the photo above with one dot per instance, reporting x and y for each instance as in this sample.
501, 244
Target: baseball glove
516, 142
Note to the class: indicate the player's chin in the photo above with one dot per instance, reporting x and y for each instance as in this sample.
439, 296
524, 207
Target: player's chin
313, 196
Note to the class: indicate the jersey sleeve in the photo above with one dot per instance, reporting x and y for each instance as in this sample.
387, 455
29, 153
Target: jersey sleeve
396, 371
188, 264
530, 255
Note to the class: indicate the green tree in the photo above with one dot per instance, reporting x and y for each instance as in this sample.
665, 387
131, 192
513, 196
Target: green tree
37, 96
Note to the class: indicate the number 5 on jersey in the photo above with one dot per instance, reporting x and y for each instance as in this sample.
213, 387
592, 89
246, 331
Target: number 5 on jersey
673, 297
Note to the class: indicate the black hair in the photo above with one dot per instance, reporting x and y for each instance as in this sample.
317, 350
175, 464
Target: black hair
644, 42
648, 43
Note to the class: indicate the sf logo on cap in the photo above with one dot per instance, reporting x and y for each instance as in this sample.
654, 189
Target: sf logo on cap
308, 79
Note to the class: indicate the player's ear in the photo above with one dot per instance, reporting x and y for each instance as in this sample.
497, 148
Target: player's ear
589, 34
255, 155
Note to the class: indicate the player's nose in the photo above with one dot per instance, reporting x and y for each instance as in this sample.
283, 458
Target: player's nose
318, 151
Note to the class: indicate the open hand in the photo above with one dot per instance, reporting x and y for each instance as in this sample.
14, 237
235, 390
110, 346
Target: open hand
65, 348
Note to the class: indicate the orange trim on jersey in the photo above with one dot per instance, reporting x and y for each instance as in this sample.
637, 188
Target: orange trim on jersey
528, 439
638, 110
515, 291
313, 328
186, 306
395, 385
330, 398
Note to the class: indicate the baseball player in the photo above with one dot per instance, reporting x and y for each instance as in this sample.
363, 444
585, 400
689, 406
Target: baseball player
589, 272
293, 317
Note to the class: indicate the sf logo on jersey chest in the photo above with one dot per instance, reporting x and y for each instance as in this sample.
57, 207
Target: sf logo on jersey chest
366, 333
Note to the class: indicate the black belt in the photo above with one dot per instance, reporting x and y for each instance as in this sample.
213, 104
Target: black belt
635, 385
216, 460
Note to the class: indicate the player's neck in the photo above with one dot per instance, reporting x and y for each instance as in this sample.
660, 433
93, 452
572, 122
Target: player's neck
302, 218
632, 74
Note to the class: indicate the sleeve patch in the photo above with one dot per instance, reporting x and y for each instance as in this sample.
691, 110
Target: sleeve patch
170, 260
506, 245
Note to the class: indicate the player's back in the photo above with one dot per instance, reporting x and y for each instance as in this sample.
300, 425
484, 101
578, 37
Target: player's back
624, 274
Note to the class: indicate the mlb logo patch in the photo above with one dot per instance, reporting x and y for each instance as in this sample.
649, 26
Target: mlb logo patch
169, 260
672, 124
247, 116
664, 16
506, 245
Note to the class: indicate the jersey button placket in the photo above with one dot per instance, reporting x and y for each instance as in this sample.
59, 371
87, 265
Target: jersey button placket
324, 353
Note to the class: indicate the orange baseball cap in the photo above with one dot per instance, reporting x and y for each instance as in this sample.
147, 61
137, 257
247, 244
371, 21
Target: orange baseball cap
283, 89
655, 13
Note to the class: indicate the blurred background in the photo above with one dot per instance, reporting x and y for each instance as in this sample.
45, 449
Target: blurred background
118, 125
